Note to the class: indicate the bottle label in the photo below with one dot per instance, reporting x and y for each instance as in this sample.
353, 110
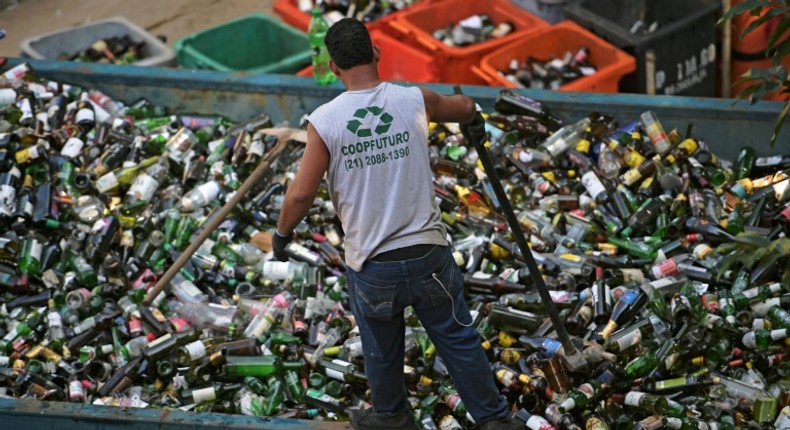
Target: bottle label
673, 423
25, 107
106, 182
256, 148
629, 340
190, 289
592, 184
633, 275
335, 374
505, 377
633, 398
85, 115
156, 342
204, 395
665, 269
448, 422
143, 187
208, 191
7, 96
196, 350
7, 200
227, 269
72, 147
452, 400
54, 319
654, 422
76, 390
276, 270
354, 349
587, 389
536, 422
630, 177
36, 248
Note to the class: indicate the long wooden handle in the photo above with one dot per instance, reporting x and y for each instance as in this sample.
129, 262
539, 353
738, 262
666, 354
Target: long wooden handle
284, 135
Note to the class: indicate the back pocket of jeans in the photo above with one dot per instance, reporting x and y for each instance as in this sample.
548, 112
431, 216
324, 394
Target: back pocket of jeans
375, 298
443, 284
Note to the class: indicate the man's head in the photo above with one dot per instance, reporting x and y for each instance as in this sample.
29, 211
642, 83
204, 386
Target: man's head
348, 43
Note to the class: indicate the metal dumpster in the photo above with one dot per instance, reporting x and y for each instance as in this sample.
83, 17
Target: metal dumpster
724, 125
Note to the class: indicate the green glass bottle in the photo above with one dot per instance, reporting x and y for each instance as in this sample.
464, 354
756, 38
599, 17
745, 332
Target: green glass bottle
29, 257
638, 249
274, 395
211, 393
85, 272
257, 366
122, 177
645, 402
744, 163
294, 385
763, 339
580, 396
779, 317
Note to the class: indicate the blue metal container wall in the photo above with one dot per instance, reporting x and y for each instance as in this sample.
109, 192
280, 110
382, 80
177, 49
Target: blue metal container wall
724, 125
42, 415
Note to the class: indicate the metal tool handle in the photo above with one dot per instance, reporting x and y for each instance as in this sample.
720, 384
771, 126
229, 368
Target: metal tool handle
571, 353
284, 136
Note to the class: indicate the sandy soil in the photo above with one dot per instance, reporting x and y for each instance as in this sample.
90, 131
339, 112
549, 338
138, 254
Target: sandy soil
170, 18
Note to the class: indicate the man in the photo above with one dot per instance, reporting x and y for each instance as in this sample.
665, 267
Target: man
371, 141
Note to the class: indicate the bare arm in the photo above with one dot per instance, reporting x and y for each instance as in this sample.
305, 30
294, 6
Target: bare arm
302, 190
455, 108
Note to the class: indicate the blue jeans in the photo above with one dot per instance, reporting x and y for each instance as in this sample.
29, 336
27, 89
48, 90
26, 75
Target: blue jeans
379, 293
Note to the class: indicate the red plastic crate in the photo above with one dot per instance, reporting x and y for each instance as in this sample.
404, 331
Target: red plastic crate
399, 62
417, 27
289, 12
611, 63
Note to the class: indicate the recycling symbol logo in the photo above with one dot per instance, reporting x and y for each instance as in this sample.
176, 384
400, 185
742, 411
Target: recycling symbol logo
357, 127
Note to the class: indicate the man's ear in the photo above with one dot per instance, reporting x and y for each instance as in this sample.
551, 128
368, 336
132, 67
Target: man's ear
333, 67
376, 53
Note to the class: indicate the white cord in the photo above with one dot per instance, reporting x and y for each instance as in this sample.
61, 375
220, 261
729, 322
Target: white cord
452, 301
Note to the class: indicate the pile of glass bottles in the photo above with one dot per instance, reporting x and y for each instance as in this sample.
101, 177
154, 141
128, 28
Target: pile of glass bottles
112, 50
550, 73
471, 30
670, 264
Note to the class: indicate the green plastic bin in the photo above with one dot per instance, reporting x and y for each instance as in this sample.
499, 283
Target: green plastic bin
255, 43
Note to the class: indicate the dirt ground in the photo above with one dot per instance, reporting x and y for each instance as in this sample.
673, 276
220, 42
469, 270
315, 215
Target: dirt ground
173, 19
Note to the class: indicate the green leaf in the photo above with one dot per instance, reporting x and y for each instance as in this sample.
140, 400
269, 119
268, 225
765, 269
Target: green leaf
756, 23
748, 260
780, 30
781, 51
779, 122
726, 262
742, 7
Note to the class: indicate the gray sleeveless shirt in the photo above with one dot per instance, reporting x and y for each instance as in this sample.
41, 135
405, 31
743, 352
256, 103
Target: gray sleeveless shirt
379, 175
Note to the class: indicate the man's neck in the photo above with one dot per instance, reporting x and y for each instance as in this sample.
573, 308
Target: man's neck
361, 78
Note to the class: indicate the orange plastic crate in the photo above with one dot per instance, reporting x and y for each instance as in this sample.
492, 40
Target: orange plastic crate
417, 27
611, 63
289, 12
399, 62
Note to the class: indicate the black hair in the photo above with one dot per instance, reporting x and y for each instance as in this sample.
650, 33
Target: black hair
348, 43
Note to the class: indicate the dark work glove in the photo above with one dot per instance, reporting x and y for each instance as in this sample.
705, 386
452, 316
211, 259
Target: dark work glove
475, 130
279, 242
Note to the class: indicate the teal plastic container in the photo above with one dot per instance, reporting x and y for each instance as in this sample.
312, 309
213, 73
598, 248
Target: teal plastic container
255, 43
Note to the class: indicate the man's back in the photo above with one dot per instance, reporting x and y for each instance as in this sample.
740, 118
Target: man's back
379, 170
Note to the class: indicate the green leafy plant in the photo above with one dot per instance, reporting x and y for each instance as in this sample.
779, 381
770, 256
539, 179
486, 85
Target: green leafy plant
773, 79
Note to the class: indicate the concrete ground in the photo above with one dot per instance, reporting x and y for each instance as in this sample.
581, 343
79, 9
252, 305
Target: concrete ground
173, 19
